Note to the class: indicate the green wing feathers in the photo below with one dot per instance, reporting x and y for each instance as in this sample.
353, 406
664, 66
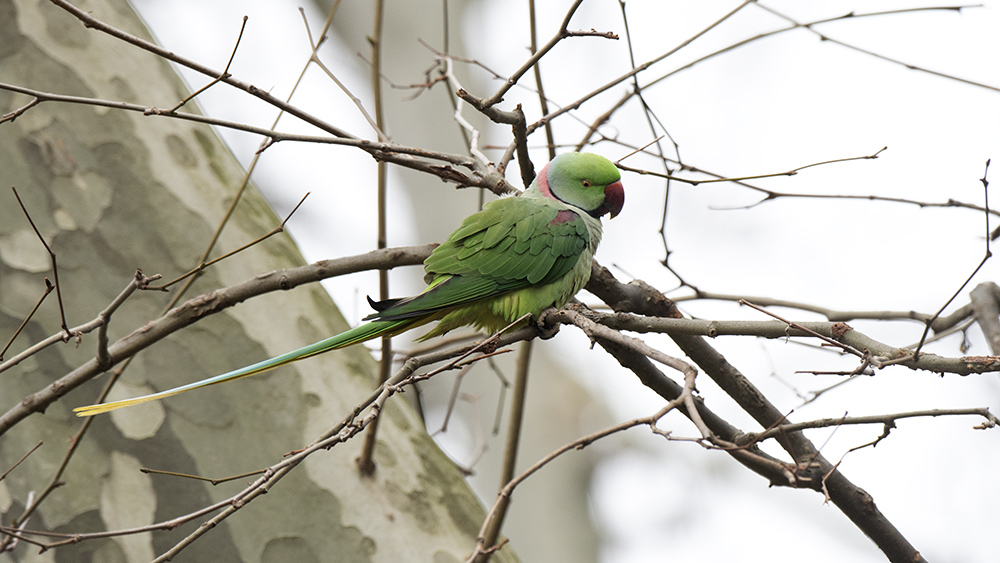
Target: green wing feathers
516, 257
511, 245
522, 240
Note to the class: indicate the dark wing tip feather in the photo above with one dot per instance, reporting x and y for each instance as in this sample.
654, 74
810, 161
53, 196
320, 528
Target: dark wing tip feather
382, 305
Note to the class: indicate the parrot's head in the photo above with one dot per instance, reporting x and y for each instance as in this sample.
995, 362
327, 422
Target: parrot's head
586, 181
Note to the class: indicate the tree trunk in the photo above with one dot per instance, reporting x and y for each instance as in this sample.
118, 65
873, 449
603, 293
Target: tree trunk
113, 191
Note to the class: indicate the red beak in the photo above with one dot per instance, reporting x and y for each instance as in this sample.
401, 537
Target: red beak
614, 200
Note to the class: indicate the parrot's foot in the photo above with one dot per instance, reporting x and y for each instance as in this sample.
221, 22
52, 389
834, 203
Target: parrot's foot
545, 329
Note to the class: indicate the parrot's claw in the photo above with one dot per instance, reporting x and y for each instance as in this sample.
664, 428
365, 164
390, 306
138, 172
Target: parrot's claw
546, 330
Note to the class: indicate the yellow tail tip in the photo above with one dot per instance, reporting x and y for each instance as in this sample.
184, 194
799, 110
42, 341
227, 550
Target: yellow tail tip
91, 410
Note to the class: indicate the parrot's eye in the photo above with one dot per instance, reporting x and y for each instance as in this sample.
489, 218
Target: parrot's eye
585, 183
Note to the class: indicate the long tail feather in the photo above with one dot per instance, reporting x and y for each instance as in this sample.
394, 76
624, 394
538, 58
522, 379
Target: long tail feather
355, 335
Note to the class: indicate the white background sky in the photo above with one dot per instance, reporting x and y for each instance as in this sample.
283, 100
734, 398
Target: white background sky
775, 105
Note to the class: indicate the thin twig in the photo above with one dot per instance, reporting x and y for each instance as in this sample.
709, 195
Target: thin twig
18, 462
48, 289
375, 124
366, 461
641, 68
514, 425
832, 342
201, 267
225, 72
214, 482
543, 104
80, 330
888, 419
55, 269
485, 548
986, 257
908, 66
738, 179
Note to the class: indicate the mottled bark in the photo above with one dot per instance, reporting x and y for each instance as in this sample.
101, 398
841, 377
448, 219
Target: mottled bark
112, 192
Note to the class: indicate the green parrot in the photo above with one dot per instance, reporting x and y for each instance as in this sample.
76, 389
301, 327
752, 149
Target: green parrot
518, 256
